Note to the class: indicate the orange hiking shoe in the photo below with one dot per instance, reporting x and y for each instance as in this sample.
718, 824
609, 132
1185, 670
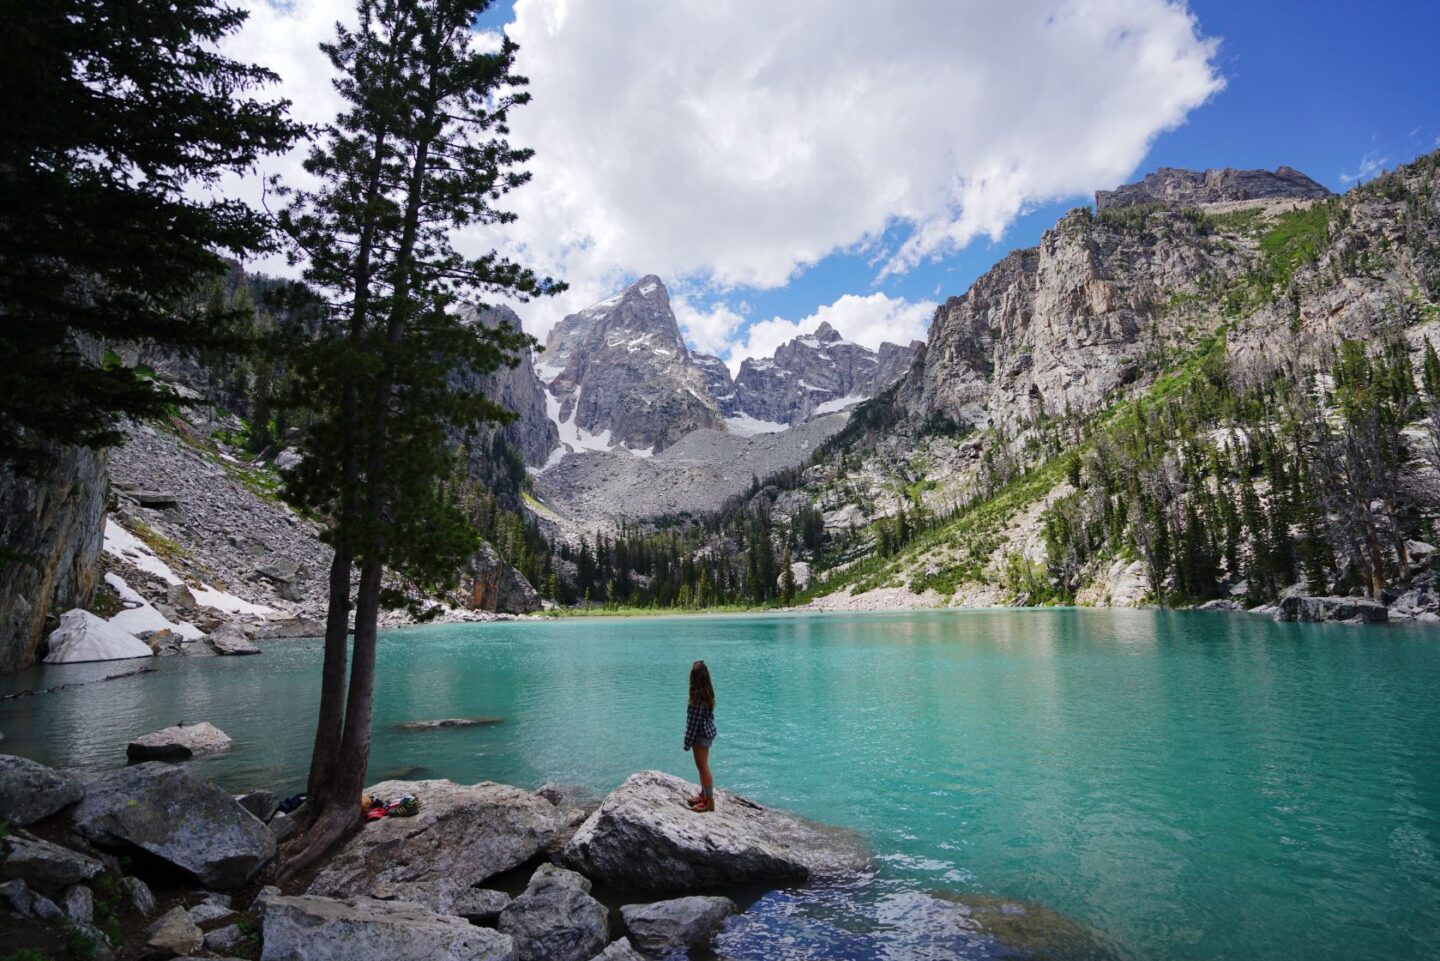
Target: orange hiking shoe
703, 805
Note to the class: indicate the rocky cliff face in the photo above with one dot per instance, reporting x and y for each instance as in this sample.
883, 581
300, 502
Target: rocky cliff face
50, 529
1170, 185
519, 389
621, 376
820, 373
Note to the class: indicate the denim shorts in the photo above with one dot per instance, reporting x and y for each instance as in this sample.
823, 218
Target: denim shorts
703, 742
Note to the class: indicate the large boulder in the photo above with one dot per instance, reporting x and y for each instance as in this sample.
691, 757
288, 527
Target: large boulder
308, 928
496, 586
464, 834
82, 636
229, 639
179, 743
170, 814
645, 837
1360, 610
556, 919
44, 865
658, 927
30, 791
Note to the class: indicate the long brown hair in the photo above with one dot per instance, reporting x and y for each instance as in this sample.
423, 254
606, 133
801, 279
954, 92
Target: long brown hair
701, 691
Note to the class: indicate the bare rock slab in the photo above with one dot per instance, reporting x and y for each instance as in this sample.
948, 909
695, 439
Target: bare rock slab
658, 927
82, 637
174, 933
463, 833
620, 950
644, 837
308, 928
170, 814
556, 919
179, 743
30, 791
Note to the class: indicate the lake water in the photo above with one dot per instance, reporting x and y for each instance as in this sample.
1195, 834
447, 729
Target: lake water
1175, 785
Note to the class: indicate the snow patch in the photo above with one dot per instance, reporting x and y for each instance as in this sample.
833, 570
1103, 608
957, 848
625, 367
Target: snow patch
548, 372
122, 544
143, 616
839, 404
213, 597
747, 426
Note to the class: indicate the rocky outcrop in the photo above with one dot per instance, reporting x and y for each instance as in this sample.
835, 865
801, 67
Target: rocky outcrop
83, 637
1191, 188
517, 389
665, 925
556, 919
1358, 610
308, 928
819, 373
645, 837
44, 865
30, 791
50, 524
179, 743
622, 376
496, 586
465, 834
166, 813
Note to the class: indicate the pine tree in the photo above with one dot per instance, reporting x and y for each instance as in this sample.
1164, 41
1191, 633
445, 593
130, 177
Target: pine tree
419, 150
787, 579
114, 112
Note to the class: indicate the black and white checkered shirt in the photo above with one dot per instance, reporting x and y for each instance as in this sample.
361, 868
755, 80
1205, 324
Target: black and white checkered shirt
699, 723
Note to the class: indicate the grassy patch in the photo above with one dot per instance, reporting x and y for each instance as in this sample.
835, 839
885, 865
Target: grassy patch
106, 603
167, 550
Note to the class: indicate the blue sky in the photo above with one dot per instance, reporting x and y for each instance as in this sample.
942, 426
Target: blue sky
782, 164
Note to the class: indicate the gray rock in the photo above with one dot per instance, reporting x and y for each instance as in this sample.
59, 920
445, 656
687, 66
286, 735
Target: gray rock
229, 639
619, 951
79, 904
174, 933
30, 792
439, 895
179, 743
556, 919
83, 637
45, 865
309, 928
1356, 609
481, 905
518, 389
463, 833
262, 804
227, 938
18, 900
450, 722
283, 826
658, 927
137, 892
173, 815
645, 837
206, 913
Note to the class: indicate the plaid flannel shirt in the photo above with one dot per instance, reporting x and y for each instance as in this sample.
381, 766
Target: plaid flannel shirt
699, 723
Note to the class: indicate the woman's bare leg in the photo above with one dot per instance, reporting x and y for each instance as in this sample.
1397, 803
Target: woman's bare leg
702, 765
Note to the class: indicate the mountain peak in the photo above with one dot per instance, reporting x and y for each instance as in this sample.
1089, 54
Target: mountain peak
1173, 185
827, 334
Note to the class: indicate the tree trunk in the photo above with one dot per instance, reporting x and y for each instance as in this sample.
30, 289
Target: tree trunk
331, 723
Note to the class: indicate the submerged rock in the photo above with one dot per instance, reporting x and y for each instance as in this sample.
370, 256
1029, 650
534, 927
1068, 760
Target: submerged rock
556, 919
30, 791
645, 837
179, 743
1027, 931
663, 925
83, 637
170, 814
449, 722
308, 928
464, 833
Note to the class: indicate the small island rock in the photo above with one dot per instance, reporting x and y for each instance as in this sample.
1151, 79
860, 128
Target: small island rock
179, 743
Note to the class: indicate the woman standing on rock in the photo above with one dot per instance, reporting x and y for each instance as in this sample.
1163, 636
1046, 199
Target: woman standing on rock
700, 733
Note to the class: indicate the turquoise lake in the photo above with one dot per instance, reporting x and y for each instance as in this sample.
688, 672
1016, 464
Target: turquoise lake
1180, 785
